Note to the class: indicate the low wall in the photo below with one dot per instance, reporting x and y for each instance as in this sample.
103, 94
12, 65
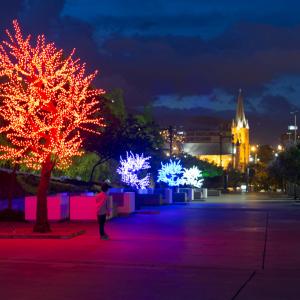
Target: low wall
124, 202
213, 192
58, 207
18, 204
149, 199
189, 193
200, 194
179, 197
83, 207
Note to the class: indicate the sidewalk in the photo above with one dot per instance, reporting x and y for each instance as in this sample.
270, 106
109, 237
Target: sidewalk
198, 251
24, 230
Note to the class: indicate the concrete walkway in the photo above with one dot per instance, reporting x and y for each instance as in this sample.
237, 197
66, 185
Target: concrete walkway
207, 250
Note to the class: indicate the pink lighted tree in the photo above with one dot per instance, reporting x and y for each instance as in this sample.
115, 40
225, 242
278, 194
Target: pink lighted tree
45, 104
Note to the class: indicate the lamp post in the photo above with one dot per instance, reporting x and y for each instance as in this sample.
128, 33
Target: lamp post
221, 148
289, 137
295, 125
171, 133
232, 151
254, 150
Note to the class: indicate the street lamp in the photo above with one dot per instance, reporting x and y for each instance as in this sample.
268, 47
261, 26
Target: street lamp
294, 127
254, 150
289, 136
221, 147
171, 136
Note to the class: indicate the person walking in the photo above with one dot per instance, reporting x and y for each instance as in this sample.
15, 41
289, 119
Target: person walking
102, 209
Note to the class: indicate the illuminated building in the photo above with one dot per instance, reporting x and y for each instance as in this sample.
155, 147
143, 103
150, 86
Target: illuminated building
173, 140
240, 137
228, 146
213, 145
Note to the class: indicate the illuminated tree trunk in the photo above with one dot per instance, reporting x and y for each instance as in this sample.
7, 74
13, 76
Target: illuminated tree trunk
42, 224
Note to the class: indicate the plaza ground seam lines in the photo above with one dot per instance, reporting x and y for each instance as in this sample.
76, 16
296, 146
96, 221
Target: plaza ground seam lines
244, 285
265, 243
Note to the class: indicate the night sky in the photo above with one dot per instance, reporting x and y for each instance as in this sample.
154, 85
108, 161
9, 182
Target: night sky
187, 59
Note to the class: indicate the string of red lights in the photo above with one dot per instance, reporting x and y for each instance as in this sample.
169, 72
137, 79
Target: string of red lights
46, 102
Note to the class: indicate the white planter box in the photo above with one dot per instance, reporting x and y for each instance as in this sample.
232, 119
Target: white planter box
189, 193
113, 208
58, 207
168, 199
204, 193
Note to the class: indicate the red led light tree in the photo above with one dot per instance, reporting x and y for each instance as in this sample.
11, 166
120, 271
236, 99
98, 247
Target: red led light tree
45, 104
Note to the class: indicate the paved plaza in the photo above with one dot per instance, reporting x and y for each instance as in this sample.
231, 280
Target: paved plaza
229, 247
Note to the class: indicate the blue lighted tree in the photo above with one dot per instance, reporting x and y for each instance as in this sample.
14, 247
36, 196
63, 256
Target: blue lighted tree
130, 167
170, 173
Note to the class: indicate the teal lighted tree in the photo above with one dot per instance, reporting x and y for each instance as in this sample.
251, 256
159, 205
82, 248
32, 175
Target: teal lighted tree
170, 173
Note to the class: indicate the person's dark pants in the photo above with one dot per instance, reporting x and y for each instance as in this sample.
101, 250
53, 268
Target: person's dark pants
101, 221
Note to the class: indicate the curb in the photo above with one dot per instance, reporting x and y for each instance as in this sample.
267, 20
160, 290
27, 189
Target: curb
41, 235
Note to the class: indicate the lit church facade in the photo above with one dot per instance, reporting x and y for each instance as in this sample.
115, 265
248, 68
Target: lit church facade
240, 137
227, 147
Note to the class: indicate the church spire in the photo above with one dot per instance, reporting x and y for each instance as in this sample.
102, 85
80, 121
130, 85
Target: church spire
240, 136
240, 118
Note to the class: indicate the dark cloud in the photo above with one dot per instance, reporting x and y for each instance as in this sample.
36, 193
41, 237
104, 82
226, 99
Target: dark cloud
162, 65
8, 12
191, 118
40, 17
37, 17
282, 105
162, 48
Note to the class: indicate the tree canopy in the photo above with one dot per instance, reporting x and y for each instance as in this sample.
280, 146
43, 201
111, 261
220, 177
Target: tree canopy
46, 102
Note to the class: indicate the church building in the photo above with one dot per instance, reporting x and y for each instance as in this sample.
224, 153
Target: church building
227, 147
240, 137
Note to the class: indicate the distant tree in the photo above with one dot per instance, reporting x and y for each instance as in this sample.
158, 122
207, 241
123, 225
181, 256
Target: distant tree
235, 178
260, 177
114, 106
265, 153
208, 169
286, 167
